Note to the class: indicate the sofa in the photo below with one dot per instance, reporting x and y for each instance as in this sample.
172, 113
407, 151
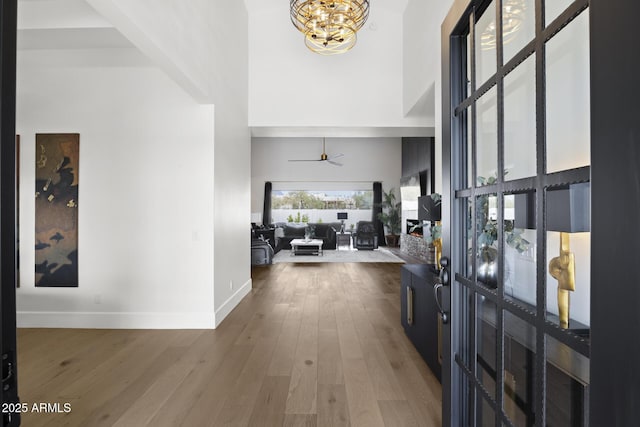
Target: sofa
287, 231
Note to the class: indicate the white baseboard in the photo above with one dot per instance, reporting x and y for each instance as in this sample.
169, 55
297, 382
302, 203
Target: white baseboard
129, 320
29, 319
232, 302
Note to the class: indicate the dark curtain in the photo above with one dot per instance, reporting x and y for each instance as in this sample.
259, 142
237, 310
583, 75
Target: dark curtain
377, 209
266, 210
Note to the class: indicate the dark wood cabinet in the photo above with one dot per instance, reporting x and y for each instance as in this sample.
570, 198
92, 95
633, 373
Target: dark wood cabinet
419, 313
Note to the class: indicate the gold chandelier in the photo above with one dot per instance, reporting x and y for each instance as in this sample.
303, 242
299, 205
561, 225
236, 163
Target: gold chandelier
329, 26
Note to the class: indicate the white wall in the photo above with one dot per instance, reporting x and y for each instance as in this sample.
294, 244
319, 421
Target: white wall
232, 194
365, 160
422, 64
146, 206
421, 50
292, 86
203, 46
190, 40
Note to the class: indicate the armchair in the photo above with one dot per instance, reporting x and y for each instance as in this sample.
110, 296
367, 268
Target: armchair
261, 251
366, 236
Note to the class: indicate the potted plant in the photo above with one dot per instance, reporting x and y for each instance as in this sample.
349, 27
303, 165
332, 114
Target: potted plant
391, 217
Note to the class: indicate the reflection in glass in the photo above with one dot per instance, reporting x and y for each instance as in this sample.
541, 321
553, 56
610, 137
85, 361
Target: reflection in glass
486, 238
519, 370
568, 255
580, 298
469, 148
519, 235
485, 416
487, 137
469, 259
464, 350
467, 86
485, 46
568, 97
518, 26
553, 9
486, 337
567, 385
520, 121
462, 404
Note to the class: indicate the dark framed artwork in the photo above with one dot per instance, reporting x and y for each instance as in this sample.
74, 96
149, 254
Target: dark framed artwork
56, 210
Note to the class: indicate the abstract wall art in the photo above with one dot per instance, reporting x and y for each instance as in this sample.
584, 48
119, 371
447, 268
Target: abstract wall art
56, 210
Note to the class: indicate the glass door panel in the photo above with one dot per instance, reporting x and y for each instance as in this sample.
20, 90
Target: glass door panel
486, 338
485, 416
518, 26
487, 137
519, 274
487, 260
485, 48
568, 256
553, 9
568, 100
519, 370
520, 146
520, 121
567, 385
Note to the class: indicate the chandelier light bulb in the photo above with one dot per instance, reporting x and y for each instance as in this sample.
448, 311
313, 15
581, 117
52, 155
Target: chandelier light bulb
329, 27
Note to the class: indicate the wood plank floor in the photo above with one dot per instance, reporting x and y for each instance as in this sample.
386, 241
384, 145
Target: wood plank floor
312, 345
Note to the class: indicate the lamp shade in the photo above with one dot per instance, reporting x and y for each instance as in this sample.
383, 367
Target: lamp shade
343, 215
429, 209
569, 208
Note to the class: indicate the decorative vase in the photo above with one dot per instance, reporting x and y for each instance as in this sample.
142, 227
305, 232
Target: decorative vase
488, 266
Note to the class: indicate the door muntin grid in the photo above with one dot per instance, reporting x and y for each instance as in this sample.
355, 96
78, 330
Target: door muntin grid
481, 176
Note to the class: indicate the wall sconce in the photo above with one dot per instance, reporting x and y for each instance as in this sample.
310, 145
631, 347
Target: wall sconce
568, 211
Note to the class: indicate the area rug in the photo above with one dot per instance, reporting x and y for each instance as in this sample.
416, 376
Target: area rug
378, 255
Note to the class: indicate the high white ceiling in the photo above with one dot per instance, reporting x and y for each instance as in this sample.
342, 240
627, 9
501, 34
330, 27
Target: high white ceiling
74, 24
65, 24
253, 5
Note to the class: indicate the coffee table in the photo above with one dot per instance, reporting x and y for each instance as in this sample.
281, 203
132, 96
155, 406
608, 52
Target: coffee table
306, 247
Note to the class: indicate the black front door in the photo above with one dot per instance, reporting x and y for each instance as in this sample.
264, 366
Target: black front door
516, 143
8, 19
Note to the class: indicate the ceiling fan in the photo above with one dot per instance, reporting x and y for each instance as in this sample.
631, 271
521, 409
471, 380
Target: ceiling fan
323, 157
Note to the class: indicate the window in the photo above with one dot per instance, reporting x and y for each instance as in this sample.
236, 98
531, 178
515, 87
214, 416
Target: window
321, 206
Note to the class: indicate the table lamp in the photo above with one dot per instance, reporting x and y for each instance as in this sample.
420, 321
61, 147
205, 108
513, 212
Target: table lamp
342, 216
568, 211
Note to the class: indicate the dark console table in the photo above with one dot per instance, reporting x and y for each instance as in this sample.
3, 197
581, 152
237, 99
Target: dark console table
419, 313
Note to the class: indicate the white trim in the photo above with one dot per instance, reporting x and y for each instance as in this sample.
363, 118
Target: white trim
232, 303
122, 320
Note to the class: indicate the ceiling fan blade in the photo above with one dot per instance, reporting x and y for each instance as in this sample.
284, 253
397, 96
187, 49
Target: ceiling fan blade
323, 157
